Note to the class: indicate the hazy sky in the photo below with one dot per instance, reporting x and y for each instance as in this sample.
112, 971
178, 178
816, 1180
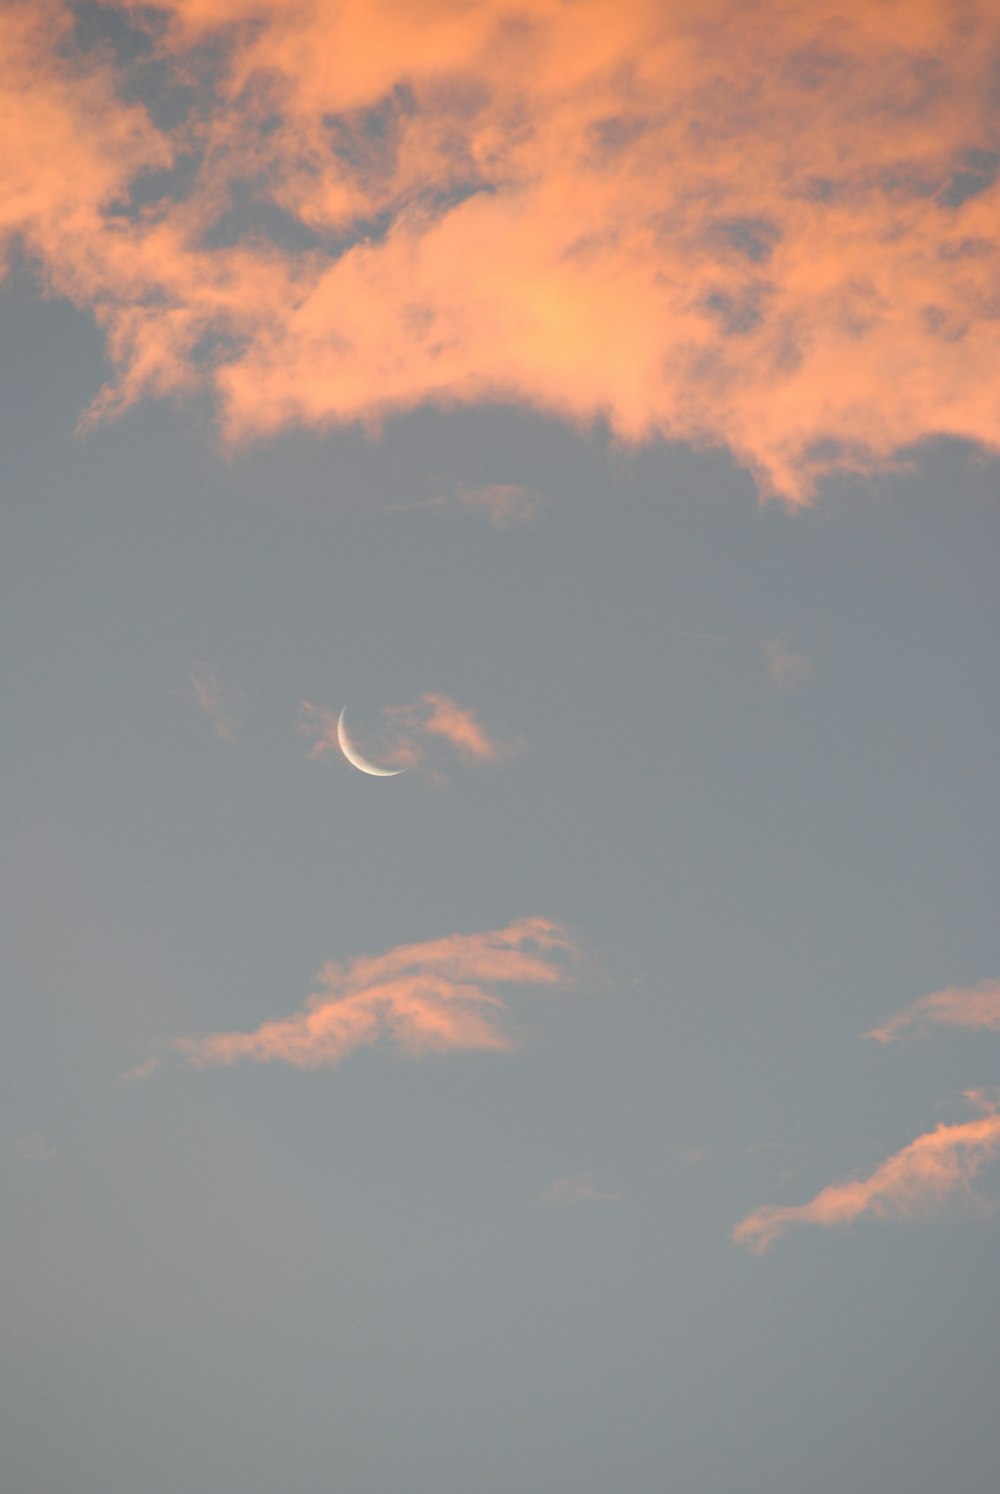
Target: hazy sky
600, 403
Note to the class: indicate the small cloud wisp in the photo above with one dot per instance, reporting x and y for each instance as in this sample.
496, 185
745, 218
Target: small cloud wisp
221, 699
973, 1007
785, 668
434, 997
918, 1180
578, 1189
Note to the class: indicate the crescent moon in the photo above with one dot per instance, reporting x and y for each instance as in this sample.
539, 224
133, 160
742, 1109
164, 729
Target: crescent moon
354, 757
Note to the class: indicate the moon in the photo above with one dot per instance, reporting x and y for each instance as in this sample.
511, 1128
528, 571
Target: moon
354, 757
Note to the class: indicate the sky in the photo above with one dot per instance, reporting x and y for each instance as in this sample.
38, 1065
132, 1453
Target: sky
587, 416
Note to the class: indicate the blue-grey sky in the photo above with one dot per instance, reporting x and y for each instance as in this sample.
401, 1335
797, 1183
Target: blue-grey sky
508, 1124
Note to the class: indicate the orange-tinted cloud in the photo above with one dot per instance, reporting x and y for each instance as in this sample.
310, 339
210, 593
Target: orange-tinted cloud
507, 505
437, 716
971, 1007
785, 667
432, 997
409, 732
772, 227
925, 1175
221, 699
33, 1148
580, 1188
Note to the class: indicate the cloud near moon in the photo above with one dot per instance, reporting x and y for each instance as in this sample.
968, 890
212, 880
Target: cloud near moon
409, 735
770, 227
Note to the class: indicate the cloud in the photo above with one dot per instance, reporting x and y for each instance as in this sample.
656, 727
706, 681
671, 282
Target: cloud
33, 1149
969, 1007
919, 1179
578, 1189
507, 505
770, 227
140, 1071
421, 998
786, 668
691, 1156
222, 701
410, 732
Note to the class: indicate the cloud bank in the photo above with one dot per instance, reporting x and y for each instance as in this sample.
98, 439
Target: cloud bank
922, 1177
971, 1007
421, 998
769, 227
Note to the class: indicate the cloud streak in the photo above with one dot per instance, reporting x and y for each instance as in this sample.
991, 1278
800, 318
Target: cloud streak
920, 1179
769, 227
420, 998
971, 1007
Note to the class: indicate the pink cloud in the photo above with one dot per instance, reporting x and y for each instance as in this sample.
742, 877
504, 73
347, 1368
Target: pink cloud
222, 701
507, 505
969, 1007
579, 1189
431, 997
438, 716
919, 1179
410, 731
751, 226
785, 667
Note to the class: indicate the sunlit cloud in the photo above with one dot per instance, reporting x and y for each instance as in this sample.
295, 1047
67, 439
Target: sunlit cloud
410, 732
932, 1171
578, 1189
973, 1007
33, 1149
140, 1071
771, 228
223, 702
507, 505
434, 997
785, 667
691, 1156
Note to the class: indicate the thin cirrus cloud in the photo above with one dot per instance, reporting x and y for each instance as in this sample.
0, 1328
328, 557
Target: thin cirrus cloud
507, 505
971, 1007
770, 227
33, 1149
222, 700
786, 668
578, 1189
411, 731
923, 1177
434, 997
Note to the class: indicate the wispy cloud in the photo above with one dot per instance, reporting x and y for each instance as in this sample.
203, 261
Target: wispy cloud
918, 1180
956, 1006
32, 1149
691, 1156
578, 1189
223, 701
507, 505
431, 997
753, 226
140, 1071
437, 716
785, 667
409, 733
